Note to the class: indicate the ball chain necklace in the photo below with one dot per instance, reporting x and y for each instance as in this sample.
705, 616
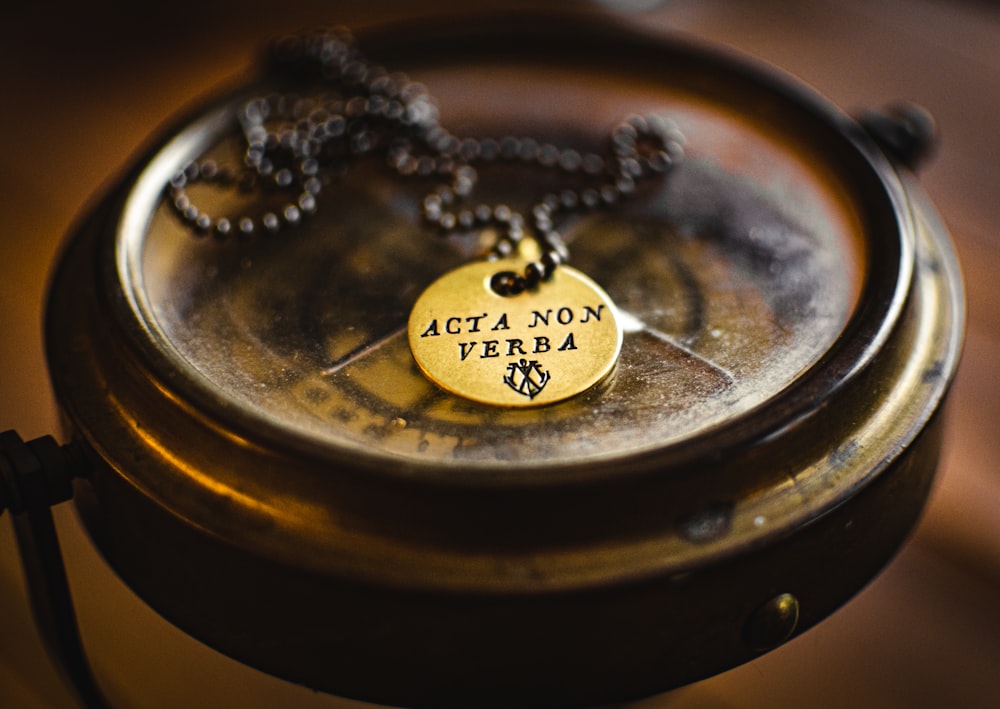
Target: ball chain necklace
518, 329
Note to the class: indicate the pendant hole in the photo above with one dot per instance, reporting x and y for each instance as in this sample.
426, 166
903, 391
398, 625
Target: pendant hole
507, 283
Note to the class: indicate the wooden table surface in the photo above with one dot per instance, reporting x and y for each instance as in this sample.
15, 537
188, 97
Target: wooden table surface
84, 85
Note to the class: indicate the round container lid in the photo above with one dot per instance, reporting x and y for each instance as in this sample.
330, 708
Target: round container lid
736, 277
792, 316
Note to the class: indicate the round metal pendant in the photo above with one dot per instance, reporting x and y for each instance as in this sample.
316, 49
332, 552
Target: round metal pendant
539, 347
276, 472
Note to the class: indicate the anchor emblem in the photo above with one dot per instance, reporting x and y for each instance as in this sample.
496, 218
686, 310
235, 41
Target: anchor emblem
527, 378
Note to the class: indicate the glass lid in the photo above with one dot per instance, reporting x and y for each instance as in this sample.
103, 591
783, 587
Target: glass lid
734, 277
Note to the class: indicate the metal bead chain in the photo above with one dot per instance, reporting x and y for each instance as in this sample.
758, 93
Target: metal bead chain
642, 146
295, 144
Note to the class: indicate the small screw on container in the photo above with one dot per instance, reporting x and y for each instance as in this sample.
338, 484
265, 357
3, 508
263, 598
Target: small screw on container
772, 623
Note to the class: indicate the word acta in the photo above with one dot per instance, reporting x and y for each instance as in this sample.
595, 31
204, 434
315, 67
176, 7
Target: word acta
537, 320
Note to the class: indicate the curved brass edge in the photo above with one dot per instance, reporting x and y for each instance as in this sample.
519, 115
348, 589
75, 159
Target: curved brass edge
891, 244
568, 648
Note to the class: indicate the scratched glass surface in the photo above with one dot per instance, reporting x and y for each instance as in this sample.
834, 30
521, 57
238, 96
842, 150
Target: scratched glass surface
732, 278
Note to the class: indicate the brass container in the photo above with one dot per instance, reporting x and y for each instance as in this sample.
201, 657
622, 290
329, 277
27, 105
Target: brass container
273, 475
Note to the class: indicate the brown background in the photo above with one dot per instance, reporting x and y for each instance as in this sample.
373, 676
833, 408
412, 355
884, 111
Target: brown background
82, 86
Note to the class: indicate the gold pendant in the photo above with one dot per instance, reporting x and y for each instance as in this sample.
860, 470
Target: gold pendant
541, 346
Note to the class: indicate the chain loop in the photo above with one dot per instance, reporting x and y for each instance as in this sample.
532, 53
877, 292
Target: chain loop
293, 143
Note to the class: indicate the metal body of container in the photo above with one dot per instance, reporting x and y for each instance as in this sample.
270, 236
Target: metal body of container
273, 475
